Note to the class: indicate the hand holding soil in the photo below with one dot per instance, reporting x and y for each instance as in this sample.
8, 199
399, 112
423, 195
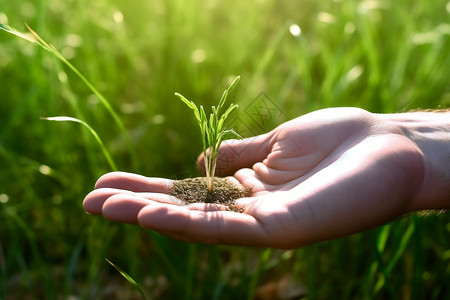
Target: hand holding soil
324, 175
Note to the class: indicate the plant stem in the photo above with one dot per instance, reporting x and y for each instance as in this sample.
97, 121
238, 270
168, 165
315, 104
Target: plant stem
212, 171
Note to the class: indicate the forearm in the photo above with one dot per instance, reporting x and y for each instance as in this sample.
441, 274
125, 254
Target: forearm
430, 131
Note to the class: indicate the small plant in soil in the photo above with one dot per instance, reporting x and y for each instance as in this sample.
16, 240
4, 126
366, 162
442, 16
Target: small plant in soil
211, 189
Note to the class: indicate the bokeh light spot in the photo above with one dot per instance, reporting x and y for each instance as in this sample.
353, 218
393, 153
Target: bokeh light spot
198, 55
295, 30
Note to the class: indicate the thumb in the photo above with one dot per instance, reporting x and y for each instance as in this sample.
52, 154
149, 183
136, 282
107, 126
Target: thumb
238, 154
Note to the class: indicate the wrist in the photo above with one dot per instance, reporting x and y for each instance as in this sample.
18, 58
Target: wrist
430, 132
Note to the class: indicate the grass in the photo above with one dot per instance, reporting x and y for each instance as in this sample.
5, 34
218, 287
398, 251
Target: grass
212, 131
384, 56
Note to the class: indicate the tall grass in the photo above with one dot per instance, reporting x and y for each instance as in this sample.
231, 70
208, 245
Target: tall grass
298, 56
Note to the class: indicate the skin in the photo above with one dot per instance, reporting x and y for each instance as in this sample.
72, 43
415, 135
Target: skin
324, 175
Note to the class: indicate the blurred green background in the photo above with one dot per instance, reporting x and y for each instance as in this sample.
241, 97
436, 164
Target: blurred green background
298, 56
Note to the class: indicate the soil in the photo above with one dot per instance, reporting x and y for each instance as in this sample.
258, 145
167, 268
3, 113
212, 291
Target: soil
195, 190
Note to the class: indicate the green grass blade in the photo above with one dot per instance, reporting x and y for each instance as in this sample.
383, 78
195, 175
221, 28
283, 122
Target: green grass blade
256, 275
190, 104
128, 278
233, 84
401, 248
36, 39
31, 38
92, 131
222, 101
229, 132
226, 114
73, 263
383, 237
227, 91
196, 110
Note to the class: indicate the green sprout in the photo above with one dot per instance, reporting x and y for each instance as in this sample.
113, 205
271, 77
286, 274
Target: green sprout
212, 130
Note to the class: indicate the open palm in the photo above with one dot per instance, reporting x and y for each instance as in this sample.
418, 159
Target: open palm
324, 175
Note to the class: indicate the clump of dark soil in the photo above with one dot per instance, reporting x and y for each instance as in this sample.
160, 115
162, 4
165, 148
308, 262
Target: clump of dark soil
195, 190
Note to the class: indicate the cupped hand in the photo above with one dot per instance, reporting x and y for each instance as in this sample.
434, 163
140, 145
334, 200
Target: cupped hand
323, 175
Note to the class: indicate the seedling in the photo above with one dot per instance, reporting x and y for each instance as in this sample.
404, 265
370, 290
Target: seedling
212, 130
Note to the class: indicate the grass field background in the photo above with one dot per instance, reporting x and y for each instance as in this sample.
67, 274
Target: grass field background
383, 56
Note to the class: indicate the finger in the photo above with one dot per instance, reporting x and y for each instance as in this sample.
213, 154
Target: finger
134, 182
124, 207
276, 177
94, 201
280, 160
207, 227
244, 202
249, 179
238, 154
233, 180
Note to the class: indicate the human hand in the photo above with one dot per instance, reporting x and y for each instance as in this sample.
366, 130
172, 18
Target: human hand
324, 175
